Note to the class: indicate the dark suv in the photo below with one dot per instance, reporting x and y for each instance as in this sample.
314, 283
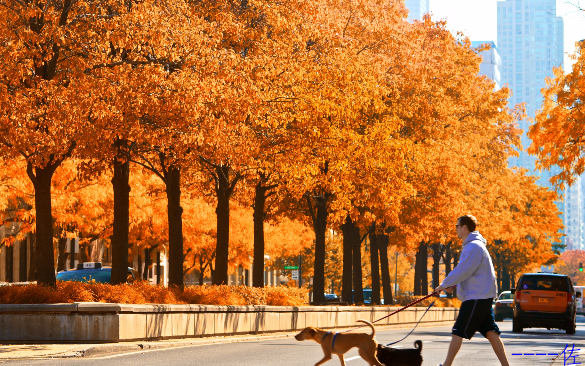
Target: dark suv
544, 300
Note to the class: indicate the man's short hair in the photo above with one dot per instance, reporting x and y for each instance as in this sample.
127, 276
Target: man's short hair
468, 220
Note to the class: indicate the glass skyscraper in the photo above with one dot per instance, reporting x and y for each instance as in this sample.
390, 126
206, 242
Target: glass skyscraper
416, 8
530, 42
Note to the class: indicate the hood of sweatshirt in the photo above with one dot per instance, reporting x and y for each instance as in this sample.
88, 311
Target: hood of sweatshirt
475, 235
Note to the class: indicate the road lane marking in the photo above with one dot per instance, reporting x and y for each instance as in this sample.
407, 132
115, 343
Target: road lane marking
352, 358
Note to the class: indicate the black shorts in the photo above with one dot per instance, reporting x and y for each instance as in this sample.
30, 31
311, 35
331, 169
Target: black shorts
475, 316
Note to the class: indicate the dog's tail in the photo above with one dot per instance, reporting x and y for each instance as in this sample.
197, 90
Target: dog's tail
371, 326
418, 345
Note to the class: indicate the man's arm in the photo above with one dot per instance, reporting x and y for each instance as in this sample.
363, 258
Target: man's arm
471, 257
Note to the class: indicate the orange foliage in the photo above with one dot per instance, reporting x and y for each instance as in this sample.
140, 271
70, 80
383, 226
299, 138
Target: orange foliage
568, 264
144, 293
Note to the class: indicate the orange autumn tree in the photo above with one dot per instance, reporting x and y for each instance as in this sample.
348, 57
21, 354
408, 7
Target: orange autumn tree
159, 75
568, 264
45, 100
558, 134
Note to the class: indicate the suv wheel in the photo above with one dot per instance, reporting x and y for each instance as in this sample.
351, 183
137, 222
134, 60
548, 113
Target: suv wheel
517, 325
570, 326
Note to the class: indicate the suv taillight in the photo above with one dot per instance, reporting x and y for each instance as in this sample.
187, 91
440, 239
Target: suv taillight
569, 298
518, 296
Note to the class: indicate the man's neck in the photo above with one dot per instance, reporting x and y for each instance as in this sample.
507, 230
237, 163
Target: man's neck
465, 238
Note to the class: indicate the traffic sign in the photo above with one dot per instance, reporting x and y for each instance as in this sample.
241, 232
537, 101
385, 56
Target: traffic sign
295, 274
291, 267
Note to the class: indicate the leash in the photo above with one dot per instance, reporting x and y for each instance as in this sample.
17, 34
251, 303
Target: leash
397, 311
416, 325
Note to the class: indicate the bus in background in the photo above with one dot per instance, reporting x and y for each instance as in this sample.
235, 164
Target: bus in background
579, 301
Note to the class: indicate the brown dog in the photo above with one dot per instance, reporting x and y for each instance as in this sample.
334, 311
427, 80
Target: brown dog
340, 343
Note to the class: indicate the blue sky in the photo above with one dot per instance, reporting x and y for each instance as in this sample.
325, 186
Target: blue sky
478, 19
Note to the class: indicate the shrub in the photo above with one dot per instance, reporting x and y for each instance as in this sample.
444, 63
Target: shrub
145, 293
439, 302
212, 295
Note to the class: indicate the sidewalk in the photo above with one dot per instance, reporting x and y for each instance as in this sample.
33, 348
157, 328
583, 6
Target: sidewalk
41, 351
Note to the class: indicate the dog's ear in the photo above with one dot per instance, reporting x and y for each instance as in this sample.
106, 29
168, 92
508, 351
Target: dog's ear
312, 331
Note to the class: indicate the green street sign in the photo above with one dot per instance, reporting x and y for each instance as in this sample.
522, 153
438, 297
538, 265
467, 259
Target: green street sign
291, 267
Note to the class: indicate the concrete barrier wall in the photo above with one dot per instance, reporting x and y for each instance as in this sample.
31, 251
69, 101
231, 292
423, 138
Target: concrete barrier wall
101, 322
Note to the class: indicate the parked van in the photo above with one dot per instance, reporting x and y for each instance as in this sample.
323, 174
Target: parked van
579, 300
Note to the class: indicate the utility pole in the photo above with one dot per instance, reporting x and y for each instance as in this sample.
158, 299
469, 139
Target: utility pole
300, 272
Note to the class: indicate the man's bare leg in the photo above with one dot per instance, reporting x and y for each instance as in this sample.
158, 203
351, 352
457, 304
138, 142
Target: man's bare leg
498, 347
454, 347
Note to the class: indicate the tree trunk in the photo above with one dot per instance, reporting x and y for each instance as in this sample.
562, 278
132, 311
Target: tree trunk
175, 212
358, 288
421, 282
158, 271
437, 253
62, 258
224, 189
139, 266
22, 264
223, 240
32, 272
347, 275
319, 216
425, 266
85, 257
120, 183
147, 263
9, 263
200, 278
375, 265
385, 269
259, 207
45, 259
505, 277
447, 260
417, 290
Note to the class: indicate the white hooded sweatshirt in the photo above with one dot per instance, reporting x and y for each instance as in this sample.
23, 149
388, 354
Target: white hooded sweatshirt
474, 274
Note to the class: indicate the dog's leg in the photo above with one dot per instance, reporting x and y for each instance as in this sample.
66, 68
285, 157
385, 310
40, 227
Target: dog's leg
325, 359
370, 357
342, 360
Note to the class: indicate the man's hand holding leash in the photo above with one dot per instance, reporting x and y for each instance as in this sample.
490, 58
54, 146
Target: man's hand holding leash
441, 288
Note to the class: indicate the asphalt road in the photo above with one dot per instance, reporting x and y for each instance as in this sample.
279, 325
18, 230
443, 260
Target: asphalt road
289, 352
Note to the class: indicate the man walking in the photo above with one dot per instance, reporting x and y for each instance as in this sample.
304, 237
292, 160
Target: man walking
476, 287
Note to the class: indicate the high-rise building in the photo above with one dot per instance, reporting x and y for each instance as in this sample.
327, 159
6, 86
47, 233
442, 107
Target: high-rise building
491, 62
416, 8
573, 215
530, 41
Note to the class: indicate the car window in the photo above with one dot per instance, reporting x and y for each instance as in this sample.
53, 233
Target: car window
548, 283
506, 296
